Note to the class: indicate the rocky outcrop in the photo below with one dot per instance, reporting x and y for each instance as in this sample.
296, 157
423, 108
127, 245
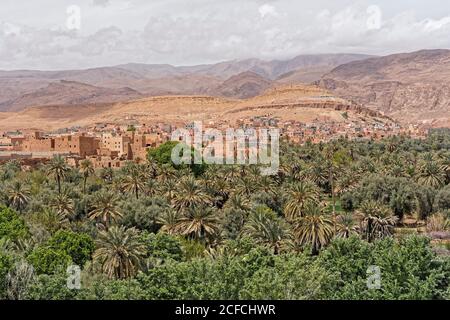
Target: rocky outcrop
410, 87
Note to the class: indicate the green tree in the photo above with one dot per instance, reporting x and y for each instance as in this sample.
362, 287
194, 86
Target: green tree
87, 170
300, 194
314, 229
293, 277
58, 169
120, 251
12, 226
378, 220
78, 246
267, 229
134, 180
105, 208
189, 194
200, 223
18, 195
6, 263
47, 260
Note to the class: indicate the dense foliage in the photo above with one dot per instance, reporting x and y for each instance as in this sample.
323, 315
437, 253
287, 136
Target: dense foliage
153, 230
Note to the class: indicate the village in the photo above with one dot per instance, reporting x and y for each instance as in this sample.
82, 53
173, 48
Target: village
109, 145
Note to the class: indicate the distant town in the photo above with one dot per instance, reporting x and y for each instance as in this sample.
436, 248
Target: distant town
109, 145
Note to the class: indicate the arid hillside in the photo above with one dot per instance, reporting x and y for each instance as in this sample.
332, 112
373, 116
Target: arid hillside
70, 93
244, 85
302, 103
19, 88
411, 87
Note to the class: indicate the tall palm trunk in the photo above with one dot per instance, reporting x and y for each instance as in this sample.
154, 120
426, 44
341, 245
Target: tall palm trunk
333, 198
84, 184
58, 180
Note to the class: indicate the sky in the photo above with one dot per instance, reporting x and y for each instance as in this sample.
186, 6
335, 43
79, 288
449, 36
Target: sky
76, 34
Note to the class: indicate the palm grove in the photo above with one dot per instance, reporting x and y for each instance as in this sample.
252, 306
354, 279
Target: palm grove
151, 230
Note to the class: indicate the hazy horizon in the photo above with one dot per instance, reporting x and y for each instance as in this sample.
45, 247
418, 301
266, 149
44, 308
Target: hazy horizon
221, 61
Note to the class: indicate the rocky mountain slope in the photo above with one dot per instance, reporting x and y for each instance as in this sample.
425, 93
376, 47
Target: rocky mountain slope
301, 103
244, 85
411, 87
16, 87
69, 93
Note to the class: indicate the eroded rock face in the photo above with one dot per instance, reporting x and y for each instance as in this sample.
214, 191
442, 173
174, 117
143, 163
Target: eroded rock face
413, 87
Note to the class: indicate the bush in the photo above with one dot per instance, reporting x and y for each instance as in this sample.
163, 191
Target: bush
78, 246
398, 193
163, 246
47, 260
51, 287
5, 266
11, 225
163, 155
442, 200
409, 269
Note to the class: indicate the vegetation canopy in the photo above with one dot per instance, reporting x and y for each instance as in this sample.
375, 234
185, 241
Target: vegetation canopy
154, 230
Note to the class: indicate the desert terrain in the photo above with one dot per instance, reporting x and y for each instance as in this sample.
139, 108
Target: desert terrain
301, 103
411, 88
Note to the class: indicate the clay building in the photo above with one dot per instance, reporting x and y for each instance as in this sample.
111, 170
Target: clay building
78, 144
37, 142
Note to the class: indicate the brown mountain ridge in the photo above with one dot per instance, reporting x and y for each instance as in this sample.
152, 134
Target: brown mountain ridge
411, 87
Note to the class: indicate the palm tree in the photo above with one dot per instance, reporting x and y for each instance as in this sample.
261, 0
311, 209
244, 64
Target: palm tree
107, 174
218, 190
268, 185
169, 222
18, 195
105, 208
314, 229
332, 166
378, 220
245, 186
189, 194
134, 180
300, 194
347, 181
62, 203
431, 173
166, 172
266, 228
346, 226
167, 189
120, 252
152, 168
201, 223
238, 202
58, 168
86, 169
151, 187
230, 172
52, 220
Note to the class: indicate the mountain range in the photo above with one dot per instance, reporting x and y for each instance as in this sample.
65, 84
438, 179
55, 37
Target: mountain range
411, 87
408, 87
233, 79
300, 102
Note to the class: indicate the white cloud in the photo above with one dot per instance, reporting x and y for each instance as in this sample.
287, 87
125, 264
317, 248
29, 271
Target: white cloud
202, 31
267, 10
102, 3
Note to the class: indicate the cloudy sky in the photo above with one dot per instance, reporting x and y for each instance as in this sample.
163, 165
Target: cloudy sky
63, 34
